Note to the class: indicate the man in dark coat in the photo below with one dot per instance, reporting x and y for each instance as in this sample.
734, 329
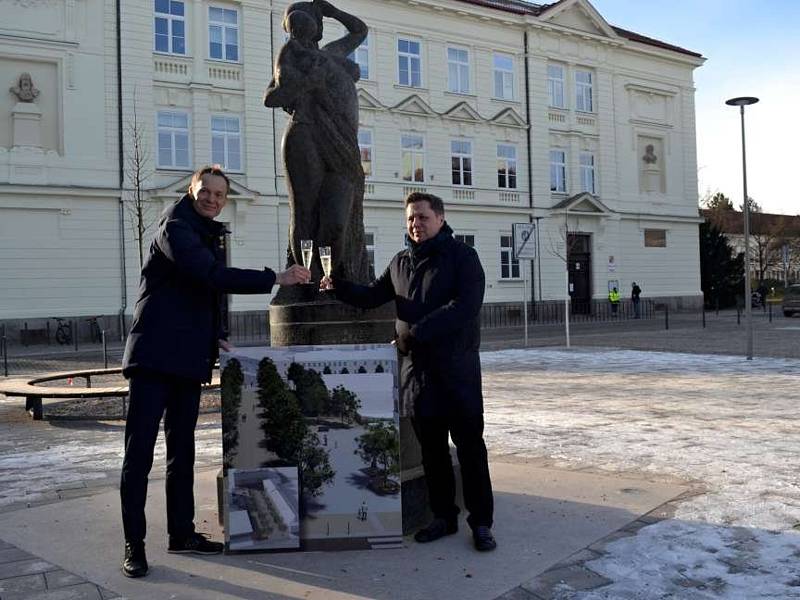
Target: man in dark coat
437, 285
171, 350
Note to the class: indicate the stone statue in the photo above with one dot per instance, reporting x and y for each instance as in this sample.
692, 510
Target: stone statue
321, 158
649, 157
24, 90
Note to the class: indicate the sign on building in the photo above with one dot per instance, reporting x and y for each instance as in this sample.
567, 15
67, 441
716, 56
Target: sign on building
524, 240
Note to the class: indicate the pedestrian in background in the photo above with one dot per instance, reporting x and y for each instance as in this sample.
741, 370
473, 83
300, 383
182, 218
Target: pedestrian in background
613, 298
636, 292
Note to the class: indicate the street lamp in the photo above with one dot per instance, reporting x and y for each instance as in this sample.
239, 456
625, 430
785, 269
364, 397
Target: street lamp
741, 102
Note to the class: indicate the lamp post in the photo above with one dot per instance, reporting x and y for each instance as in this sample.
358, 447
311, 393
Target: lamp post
741, 102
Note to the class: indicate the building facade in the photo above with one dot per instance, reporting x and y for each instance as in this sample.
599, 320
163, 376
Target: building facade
512, 112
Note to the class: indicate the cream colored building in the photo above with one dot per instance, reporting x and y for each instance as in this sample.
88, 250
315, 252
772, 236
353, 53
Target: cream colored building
511, 112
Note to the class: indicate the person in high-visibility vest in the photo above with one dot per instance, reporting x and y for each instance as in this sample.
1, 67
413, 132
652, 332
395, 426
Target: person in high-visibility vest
613, 298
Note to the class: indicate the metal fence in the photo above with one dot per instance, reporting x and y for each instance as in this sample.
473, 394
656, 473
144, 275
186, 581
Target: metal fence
552, 312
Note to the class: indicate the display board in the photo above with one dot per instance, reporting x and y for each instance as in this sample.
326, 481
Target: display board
311, 448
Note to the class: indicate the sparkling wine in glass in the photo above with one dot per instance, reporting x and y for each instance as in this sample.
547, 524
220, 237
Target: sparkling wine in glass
307, 250
325, 259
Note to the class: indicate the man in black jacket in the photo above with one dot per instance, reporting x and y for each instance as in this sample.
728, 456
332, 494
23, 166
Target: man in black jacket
171, 350
437, 285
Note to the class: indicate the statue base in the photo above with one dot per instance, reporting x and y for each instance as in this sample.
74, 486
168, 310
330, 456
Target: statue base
318, 319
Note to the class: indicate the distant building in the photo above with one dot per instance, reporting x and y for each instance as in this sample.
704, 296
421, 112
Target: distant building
511, 111
774, 242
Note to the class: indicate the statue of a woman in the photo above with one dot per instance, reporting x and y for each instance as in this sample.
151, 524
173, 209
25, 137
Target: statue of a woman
316, 86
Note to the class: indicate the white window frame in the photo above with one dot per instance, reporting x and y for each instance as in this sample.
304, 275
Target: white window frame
411, 58
416, 156
555, 85
504, 168
229, 138
460, 84
171, 20
588, 170
367, 145
173, 131
463, 167
360, 56
226, 30
466, 238
507, 77
370, 250
584, 90
558, 171
507, 258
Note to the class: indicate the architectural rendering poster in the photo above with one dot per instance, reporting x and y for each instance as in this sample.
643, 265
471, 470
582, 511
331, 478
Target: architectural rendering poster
323, 419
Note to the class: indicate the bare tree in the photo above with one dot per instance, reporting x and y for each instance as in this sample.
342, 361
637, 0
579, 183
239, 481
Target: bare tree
137, 172
767, 233
561, 248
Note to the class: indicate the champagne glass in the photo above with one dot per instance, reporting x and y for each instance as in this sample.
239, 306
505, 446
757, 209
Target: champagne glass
307, 250
325, 259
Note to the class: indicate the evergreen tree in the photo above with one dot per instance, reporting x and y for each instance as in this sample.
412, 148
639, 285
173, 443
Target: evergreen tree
231, 381
721, 273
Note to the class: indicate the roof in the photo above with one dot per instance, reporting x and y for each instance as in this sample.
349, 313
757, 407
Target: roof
732, 221
521, 7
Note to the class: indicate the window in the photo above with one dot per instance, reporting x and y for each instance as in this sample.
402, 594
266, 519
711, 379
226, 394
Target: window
458, 70
506, 166
223, 34
413, 146
583, 91
467, 238
226, 142
365, 148
655, 238
558, 171
588, 181
555, 85
360, 56
369, 242
409, 63
170, 26
509, 268
461, 161
503, 76
173, 140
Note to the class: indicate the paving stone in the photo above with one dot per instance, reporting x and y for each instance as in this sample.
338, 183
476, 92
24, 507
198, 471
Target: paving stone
84, 591
26, 583
14, 554
518, 593
61, 578
108, 594
5, 545
578, 558
25, 567
600, 545
575, 577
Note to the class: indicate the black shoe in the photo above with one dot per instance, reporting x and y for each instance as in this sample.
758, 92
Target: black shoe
483, 538
194, 543
135, 563
438, 528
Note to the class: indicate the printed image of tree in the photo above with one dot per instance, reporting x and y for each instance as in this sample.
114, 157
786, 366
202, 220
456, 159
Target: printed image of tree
231, 381
344, 404
286, 433
310, 390
379, 447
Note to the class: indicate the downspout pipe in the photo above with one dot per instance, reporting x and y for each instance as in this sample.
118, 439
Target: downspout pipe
530, 159
120, 150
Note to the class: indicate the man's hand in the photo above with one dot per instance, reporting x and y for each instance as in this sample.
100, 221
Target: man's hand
294, 275
325, 284
225, 345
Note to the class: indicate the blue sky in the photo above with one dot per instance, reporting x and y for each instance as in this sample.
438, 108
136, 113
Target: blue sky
752, 48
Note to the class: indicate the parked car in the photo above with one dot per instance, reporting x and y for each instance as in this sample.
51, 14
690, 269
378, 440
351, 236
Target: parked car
791, 300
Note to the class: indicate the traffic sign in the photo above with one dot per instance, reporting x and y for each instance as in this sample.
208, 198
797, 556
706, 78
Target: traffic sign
523, 240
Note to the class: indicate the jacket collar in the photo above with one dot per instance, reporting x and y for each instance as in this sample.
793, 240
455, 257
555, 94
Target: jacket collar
184, 210
420, 251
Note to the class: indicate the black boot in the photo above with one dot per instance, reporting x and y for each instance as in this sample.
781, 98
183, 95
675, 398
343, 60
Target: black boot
135, 563
194, 543
438, 528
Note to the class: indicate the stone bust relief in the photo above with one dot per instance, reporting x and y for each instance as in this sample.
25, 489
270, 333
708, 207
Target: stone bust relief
649, 157
24, 90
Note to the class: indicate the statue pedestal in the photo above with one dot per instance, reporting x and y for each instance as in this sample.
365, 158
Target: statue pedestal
27, 120
328, 321
651, 178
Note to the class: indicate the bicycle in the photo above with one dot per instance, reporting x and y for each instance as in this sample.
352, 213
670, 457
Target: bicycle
63, 331
95, 333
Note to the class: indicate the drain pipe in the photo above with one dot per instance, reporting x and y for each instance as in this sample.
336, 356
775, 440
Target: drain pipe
121, 217
530, 164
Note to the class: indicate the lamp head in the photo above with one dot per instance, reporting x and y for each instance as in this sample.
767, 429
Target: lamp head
741, 101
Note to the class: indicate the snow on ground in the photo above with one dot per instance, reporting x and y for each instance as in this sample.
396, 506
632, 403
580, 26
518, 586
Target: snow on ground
728, 422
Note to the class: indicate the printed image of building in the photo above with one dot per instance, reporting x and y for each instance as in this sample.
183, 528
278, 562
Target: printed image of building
511, 111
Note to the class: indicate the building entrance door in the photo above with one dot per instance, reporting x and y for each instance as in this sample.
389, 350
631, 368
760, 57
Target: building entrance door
579, 260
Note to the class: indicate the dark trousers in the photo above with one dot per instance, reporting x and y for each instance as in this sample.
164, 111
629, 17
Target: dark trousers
467, 434
178, 400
